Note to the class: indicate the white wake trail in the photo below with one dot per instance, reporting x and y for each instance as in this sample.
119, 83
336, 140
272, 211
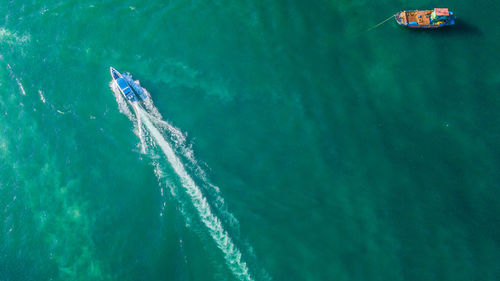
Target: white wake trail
139, 128
220, 236
179, 139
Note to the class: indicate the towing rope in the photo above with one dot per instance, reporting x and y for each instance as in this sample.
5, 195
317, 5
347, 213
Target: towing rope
379, 24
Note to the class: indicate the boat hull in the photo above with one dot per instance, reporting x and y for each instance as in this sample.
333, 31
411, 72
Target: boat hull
421, 19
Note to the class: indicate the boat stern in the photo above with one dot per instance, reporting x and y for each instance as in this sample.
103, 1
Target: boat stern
451, 19
442, 17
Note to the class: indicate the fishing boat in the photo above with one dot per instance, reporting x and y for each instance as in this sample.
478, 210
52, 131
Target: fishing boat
436, 18
124, 87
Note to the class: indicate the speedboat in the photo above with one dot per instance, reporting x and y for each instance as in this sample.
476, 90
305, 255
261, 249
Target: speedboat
124, 86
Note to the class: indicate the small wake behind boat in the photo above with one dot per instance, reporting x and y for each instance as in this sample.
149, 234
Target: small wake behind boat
124, 87
436, 18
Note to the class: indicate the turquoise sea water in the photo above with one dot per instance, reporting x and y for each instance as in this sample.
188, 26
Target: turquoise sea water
283, 142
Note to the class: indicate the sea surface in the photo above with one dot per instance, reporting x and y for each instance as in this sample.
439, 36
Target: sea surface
281, 140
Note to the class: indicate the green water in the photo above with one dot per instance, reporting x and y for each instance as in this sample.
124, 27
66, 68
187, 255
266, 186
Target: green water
320, 151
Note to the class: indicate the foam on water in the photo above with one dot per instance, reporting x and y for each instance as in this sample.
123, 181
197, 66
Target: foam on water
153, 123
185, 149
178, 138
139, 129
6, 36
18, 81
214, 226
42, 98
